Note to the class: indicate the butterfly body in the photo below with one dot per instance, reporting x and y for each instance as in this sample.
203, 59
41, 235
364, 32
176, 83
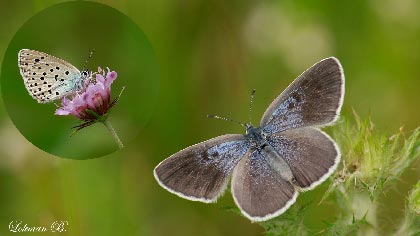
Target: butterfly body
269, 165
258, 143
256, 137
48, 78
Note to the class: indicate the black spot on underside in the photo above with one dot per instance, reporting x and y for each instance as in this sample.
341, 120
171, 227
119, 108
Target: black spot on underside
42, 78
44, 73
52, 70
67, 72
37, 60
56, 93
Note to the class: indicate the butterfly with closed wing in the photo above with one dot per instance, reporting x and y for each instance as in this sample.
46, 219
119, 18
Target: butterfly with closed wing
48, 78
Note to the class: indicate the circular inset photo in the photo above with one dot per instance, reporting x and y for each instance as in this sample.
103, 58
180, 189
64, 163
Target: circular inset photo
79, 80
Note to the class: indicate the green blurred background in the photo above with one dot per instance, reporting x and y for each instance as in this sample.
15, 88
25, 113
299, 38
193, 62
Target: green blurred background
211, 55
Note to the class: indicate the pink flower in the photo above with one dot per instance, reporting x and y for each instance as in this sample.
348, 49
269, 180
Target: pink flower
94, 101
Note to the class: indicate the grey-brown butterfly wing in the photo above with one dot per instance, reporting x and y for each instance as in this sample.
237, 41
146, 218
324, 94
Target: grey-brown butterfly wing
47, 78
201, 172
311, 154
312, 99
260, 191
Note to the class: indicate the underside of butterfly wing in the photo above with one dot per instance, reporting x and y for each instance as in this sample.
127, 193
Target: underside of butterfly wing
47, 78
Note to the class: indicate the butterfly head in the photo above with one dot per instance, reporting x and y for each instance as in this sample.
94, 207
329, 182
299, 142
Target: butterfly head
255, 135
85, 79
86, 74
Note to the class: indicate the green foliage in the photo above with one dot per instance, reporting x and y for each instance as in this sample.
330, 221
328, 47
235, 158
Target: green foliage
372, 161
342, 227
414, 199
290, 223
410, 225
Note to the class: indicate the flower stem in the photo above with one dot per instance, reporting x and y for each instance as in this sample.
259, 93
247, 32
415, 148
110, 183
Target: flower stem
113, 133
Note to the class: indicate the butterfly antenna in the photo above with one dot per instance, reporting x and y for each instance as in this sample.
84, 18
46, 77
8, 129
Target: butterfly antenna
250, 106
226, 119
88, 59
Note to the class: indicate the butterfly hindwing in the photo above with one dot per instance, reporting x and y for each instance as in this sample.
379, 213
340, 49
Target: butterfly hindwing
259, 190
200, 172
311, 154
46, 77
312, 99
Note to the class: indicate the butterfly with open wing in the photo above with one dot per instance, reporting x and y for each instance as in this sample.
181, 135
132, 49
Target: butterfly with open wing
270, 164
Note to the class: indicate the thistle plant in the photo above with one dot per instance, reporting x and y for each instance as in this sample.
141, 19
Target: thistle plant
410, 225
372, 163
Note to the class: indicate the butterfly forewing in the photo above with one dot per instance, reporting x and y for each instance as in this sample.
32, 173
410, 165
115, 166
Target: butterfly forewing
46, 77
312, 99
201, 172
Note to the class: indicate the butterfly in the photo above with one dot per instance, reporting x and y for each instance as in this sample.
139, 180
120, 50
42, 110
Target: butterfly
270, 164
48, 78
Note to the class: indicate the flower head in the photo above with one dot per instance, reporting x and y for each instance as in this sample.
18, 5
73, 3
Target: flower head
92, 103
